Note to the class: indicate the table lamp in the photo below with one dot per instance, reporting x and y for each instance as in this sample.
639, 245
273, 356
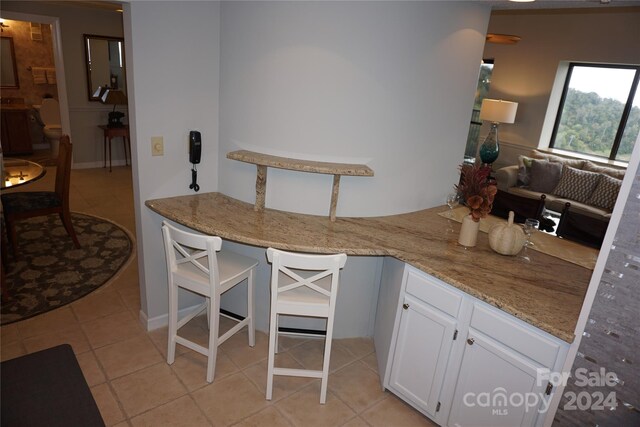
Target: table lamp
114, 97
495, 111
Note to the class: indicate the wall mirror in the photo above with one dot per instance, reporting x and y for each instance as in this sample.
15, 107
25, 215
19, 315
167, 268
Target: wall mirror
104, 57
9, 73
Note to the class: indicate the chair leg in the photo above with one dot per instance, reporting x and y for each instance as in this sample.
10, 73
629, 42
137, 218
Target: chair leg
273, 331
275, 348
65, 217
173, 323
251, 308
327, 359
3, 248
3, 285
214, 326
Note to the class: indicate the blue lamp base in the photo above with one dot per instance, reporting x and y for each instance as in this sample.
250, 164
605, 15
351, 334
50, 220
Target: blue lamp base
490, 149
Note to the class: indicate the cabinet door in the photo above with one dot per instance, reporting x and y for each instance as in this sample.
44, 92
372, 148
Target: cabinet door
425, 338
16, 124
491, 386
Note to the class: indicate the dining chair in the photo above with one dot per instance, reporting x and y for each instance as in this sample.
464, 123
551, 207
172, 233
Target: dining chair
23, 205
302, 285
196, 263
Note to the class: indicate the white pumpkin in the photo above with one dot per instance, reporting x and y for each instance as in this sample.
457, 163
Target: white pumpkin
507, 238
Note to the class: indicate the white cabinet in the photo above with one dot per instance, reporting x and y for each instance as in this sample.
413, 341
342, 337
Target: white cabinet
425, 338
461, 361
500, 382
494, 386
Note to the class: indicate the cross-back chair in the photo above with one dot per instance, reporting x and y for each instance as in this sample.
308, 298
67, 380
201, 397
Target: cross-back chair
302, 285
196, 263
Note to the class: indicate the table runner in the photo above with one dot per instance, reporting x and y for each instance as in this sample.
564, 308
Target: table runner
567, 250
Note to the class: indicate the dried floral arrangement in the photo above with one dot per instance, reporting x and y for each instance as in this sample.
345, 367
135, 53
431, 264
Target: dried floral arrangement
476, 190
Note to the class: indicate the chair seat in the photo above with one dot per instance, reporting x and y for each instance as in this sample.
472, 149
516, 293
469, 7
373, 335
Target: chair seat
230, 266
233, 265
15, 203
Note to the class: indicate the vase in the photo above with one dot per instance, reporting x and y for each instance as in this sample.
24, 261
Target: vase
468, 232
490, 149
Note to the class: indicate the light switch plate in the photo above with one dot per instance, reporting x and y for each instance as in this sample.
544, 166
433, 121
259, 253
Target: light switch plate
157, 146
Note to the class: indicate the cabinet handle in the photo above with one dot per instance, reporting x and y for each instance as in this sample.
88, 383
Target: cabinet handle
405, 306
470, 341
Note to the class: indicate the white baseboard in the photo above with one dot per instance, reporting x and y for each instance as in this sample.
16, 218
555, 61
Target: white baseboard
163, 320
98, 164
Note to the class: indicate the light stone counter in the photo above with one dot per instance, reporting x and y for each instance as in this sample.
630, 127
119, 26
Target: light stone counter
547, 293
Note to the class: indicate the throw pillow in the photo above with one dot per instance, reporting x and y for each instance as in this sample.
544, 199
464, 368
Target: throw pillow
524, 170
576, 184
606, 193
574, 163
544, 175
614, 173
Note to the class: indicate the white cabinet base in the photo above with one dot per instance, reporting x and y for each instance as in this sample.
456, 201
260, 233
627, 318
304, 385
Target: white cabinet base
459, 360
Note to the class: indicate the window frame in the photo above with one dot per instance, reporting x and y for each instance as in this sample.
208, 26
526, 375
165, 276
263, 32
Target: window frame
625, 112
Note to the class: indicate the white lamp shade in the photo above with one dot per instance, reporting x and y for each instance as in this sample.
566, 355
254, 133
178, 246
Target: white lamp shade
497, 110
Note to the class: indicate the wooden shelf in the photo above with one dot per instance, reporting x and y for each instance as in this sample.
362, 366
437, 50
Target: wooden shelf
262, 161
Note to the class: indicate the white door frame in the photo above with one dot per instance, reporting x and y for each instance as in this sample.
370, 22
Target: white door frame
56, 37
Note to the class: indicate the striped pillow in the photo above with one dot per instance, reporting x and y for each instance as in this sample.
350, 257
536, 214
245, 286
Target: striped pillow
576, 184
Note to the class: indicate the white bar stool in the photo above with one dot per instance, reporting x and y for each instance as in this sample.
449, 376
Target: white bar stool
310, 290
195, 263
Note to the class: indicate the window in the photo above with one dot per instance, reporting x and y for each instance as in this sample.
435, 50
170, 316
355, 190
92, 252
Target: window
599, 112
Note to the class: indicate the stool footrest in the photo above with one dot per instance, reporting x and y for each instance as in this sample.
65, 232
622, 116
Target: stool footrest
297, 372
193, 346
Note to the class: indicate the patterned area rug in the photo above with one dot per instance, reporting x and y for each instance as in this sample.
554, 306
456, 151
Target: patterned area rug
50, 272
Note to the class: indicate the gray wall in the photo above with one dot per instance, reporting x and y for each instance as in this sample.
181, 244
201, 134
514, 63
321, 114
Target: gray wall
389, 84
173, 65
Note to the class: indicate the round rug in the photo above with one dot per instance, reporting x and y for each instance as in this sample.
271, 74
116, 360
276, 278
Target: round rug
51, 272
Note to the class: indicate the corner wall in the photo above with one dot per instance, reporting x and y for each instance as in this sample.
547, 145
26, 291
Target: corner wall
172, 53
389, 84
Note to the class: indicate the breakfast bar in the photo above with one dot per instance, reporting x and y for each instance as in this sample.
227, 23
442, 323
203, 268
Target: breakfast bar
449, 321
547, 292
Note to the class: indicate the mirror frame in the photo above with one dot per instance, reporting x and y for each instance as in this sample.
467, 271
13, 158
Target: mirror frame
86, 39
15, 66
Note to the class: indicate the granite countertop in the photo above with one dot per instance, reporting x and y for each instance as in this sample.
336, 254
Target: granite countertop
547, 292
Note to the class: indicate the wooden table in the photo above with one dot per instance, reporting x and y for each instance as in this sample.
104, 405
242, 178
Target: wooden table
115, 132
18, 172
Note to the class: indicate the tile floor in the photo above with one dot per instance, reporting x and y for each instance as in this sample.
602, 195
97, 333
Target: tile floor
126, 368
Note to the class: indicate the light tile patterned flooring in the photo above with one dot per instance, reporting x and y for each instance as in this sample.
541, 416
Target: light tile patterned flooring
132, 384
